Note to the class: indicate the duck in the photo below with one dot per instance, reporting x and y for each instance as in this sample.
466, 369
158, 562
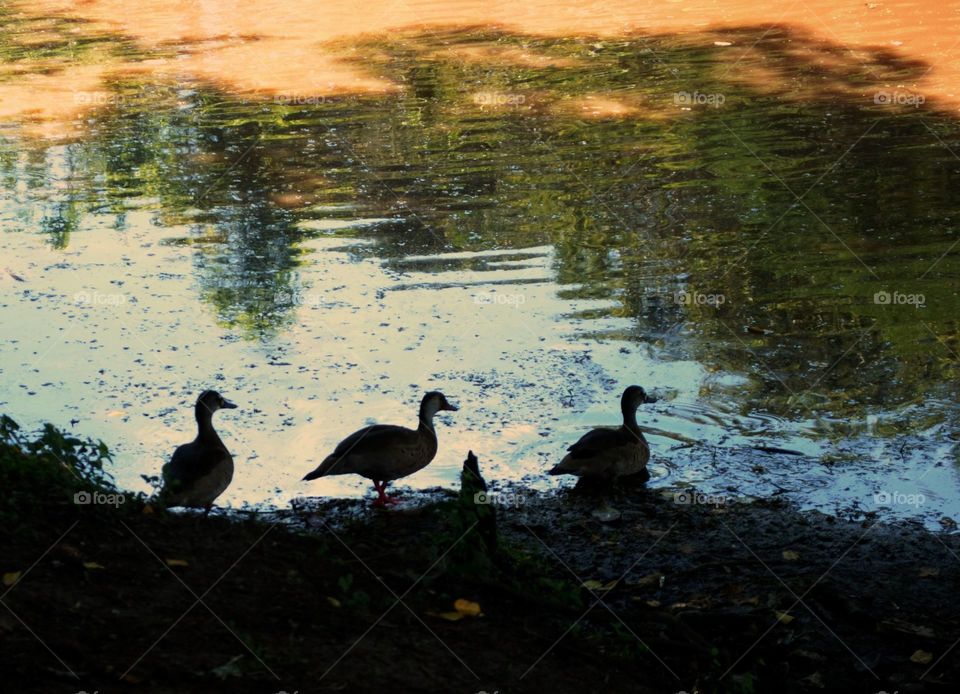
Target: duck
199, 471
386, 452
607, 455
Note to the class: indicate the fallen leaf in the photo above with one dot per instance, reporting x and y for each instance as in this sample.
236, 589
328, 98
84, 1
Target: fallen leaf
784, 617
148, 510
10, 578
176, 562
926, 571
93, 565
790, 555
333, 601
116, 413
921, 657
593, 585
462, 608
656, 578
467, 607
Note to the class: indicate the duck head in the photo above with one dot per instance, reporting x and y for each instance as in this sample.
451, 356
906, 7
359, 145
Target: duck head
633, 397
434, 402
210, 401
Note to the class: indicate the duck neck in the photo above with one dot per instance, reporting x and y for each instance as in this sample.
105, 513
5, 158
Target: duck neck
426, 422
205, 425
630, 419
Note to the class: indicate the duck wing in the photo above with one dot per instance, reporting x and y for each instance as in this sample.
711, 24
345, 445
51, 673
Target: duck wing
369, 438
599, 441
361, 444
191, 462
602, 453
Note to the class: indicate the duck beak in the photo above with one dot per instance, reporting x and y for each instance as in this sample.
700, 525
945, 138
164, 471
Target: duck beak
227, 405
450, 407
649, 398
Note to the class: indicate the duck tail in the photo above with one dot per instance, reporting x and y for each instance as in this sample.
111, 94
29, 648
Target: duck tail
325, 468
561, 468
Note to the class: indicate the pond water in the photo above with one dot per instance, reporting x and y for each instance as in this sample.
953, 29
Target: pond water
757, 222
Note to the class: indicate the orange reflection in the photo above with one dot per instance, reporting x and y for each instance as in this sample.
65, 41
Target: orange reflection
308, 49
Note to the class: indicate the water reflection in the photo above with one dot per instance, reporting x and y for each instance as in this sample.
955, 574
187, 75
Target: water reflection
766, 222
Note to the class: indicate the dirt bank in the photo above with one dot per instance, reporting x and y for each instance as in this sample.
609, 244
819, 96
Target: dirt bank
335, 596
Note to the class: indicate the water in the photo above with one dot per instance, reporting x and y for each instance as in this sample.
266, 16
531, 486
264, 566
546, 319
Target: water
526, 221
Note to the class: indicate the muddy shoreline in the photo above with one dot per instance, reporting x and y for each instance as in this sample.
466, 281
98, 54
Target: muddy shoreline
336, 596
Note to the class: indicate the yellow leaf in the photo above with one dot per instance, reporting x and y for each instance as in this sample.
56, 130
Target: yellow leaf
462, 608
93, 565
177, 562
921, 657
467, 608
116, 413
10, 578
784, 617
927, 571
790, 555
333, 601
148, 510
